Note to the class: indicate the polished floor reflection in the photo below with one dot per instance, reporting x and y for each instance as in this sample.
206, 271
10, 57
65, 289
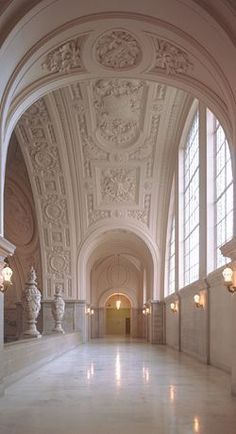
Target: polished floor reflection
118, 386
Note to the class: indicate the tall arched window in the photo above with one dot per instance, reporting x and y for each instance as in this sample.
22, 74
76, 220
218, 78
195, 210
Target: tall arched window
171, 261
191, 204
223, 192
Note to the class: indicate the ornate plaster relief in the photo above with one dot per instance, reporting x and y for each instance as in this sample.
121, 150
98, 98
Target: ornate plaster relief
117, 49
36, 134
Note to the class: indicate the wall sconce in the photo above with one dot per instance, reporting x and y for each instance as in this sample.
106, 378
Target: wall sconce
5, 276
197, 300
174, 306
89, 311
229, 279
146, 311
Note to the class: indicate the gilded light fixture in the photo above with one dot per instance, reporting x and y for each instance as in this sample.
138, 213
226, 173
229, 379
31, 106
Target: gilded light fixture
146, 310
89, 311
174, 306
197, 300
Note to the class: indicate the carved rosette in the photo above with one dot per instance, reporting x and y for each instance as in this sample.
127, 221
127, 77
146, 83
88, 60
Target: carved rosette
31, 302
58, 311
117, 50
118, 186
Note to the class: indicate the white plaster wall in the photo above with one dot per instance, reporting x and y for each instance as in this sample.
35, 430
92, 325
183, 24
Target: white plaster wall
204, 333
221, 316
194, 325
172, 324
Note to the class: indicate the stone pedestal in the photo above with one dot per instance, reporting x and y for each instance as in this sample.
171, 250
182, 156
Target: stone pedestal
31, 302
58, 311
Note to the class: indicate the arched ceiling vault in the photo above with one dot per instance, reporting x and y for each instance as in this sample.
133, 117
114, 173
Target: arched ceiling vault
99, 150
110, 96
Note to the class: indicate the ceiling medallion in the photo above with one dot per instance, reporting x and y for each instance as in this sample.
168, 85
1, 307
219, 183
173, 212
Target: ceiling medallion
118, 50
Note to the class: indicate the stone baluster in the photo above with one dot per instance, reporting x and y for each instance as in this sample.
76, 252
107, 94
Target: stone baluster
58, 311
31, 302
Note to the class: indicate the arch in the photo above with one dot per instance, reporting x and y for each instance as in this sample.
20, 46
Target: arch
98, 236
122, 291
208, 81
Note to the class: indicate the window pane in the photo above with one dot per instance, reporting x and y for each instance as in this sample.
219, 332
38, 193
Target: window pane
223, 193
171, 262
191, 204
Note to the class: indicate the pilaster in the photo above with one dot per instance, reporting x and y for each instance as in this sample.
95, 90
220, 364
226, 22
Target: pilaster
156, 335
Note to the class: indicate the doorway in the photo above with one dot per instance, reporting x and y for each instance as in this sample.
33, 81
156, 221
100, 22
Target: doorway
118, 320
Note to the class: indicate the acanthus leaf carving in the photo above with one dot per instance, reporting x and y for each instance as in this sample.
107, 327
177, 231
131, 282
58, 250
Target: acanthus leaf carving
66, 57
170, 58
118, 185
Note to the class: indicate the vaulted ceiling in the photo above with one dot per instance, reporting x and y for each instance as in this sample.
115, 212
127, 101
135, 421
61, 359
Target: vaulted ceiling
101, 151
103, 98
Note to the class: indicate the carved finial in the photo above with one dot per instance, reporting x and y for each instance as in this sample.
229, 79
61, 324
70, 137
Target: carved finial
32, 276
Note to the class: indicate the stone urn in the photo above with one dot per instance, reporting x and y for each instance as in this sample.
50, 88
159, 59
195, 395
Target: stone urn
31, 302
58, 311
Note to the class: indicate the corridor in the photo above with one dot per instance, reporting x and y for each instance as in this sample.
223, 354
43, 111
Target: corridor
120, 386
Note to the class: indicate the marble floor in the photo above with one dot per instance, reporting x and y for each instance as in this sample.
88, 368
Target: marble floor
120, 386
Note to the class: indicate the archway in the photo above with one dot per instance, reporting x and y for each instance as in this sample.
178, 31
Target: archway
118, 315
